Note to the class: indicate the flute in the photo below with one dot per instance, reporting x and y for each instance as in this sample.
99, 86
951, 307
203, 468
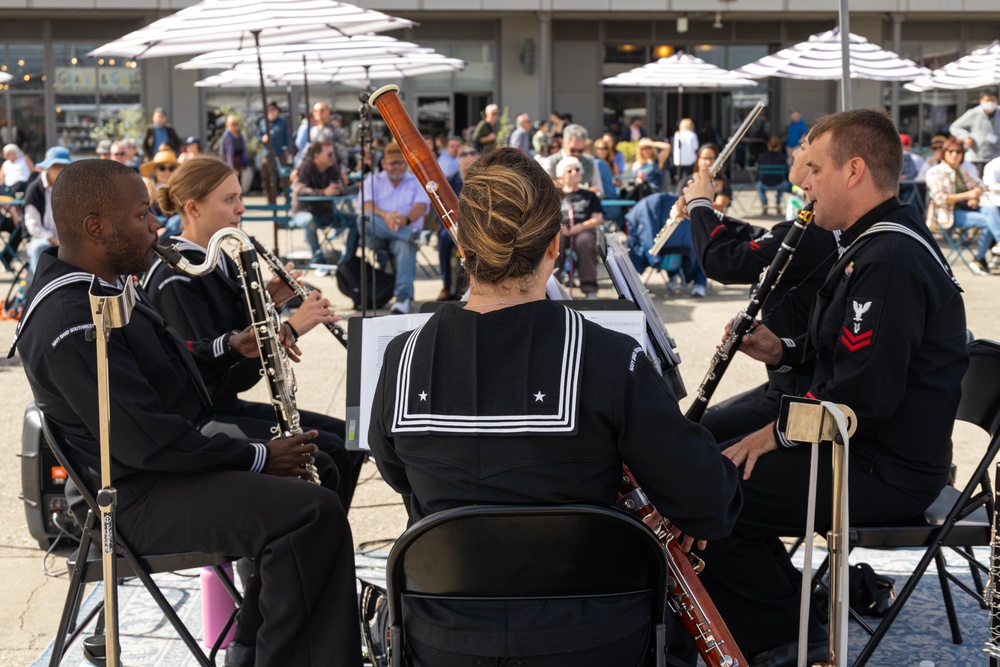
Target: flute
713, 172
278, 269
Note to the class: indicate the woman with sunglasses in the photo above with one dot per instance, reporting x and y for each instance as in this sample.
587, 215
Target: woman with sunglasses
648, 165
955, 201
156, 173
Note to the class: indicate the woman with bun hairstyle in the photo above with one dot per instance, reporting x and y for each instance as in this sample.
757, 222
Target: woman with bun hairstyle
514, 399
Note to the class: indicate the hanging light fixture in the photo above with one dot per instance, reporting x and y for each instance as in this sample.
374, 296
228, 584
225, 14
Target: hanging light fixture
682, 23
718, 20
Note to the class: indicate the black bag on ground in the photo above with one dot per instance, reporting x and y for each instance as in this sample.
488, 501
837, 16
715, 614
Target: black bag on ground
871, 594
349, 282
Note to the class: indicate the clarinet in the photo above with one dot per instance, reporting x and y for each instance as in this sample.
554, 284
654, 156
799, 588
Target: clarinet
418, 157
278, 269
744, 322
713, 171
687, 597
275, 366
993, 585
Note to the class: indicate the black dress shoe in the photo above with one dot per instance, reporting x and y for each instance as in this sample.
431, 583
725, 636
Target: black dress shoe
787, 655
240, 655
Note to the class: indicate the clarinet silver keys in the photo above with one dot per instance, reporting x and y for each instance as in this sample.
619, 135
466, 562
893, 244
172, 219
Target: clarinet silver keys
275, 366
992, 593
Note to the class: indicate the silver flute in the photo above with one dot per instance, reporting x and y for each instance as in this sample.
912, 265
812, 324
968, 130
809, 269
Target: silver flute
275, 366
720, 159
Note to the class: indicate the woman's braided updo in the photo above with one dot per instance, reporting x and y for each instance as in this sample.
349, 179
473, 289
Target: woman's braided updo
509, 212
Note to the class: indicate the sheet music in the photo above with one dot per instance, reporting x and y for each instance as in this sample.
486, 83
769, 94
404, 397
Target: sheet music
379, 331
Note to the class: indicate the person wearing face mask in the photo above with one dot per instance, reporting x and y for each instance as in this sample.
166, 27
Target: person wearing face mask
979, 130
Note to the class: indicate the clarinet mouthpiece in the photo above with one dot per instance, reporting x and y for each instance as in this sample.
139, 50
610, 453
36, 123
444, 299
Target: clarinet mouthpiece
169, 254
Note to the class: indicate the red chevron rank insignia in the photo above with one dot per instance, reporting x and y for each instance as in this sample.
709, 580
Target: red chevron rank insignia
854, 342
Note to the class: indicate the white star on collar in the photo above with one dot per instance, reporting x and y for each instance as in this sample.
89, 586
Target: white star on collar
539, 396
423, 395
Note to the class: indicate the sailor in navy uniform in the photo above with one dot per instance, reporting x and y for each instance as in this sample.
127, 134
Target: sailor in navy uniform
517, 400
888, 336
178, 489
734, 252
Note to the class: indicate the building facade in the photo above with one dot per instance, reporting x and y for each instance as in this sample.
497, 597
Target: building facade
533, 56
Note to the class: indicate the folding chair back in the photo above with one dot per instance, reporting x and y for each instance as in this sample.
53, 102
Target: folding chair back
525, 553
958, 520
85, 566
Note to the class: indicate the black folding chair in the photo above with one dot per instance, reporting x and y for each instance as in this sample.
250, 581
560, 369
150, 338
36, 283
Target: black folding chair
526, 553
85, 566
959, 519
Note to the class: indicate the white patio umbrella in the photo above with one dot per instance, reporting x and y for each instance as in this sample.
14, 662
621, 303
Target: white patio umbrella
357, 73
213, 25
820, 58
236, 24
681, 71
4, 77
979, 69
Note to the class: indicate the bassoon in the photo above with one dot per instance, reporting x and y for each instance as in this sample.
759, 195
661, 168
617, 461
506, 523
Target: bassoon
688, 597
419, 157
744, 322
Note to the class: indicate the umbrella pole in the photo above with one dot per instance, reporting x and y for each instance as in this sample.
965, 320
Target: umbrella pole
680, 114
305, 87
274, 162
845, 55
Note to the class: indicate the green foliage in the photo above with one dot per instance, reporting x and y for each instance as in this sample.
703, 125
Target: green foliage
128, 122
628, 149
504, 127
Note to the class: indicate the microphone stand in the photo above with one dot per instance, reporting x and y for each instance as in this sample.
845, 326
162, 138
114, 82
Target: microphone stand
364, 136
109, 312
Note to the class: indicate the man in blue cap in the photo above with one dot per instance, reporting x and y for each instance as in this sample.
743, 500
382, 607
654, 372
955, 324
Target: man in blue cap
37, 208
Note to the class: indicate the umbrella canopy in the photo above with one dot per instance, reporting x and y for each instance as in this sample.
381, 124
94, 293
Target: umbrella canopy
4, 77
979, 69
352, 73
315, 52
820, 58
231, 24
681, 71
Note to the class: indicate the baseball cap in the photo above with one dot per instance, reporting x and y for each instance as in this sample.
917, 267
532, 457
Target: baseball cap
905, 139
392, 152
104, 147
192, 140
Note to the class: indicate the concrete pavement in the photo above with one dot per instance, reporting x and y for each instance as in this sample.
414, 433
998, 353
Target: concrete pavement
31, 602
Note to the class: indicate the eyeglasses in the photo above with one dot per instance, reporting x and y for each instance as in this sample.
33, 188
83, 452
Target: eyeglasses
600, 148
165, 167
955, 150
395, 163
574, 151
466, 153
572, 169
117, 154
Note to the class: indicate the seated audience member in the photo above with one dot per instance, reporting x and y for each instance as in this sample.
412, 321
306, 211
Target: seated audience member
581, 216
504, 354
649, 161
192, 147
156, 173
955, 200
615, 155
774, 158
448, 160
38, 218
318, 175
178, 489
14, 174
912, 162
574, 144
888, 339
991, 182
398, 203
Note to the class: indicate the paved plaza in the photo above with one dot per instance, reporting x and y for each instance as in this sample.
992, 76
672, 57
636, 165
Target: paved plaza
32, 600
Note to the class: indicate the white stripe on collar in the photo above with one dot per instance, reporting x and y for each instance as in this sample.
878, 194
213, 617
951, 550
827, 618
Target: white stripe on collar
903, 229
563, 421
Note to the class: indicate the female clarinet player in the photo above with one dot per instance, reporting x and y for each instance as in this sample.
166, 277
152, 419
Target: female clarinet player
211, 311
576, 400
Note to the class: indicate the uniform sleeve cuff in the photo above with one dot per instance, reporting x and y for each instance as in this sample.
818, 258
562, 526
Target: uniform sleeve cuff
260, 456
782, 441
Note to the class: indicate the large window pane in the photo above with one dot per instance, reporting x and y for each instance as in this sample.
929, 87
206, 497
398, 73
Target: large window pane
26, 63
28, 114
